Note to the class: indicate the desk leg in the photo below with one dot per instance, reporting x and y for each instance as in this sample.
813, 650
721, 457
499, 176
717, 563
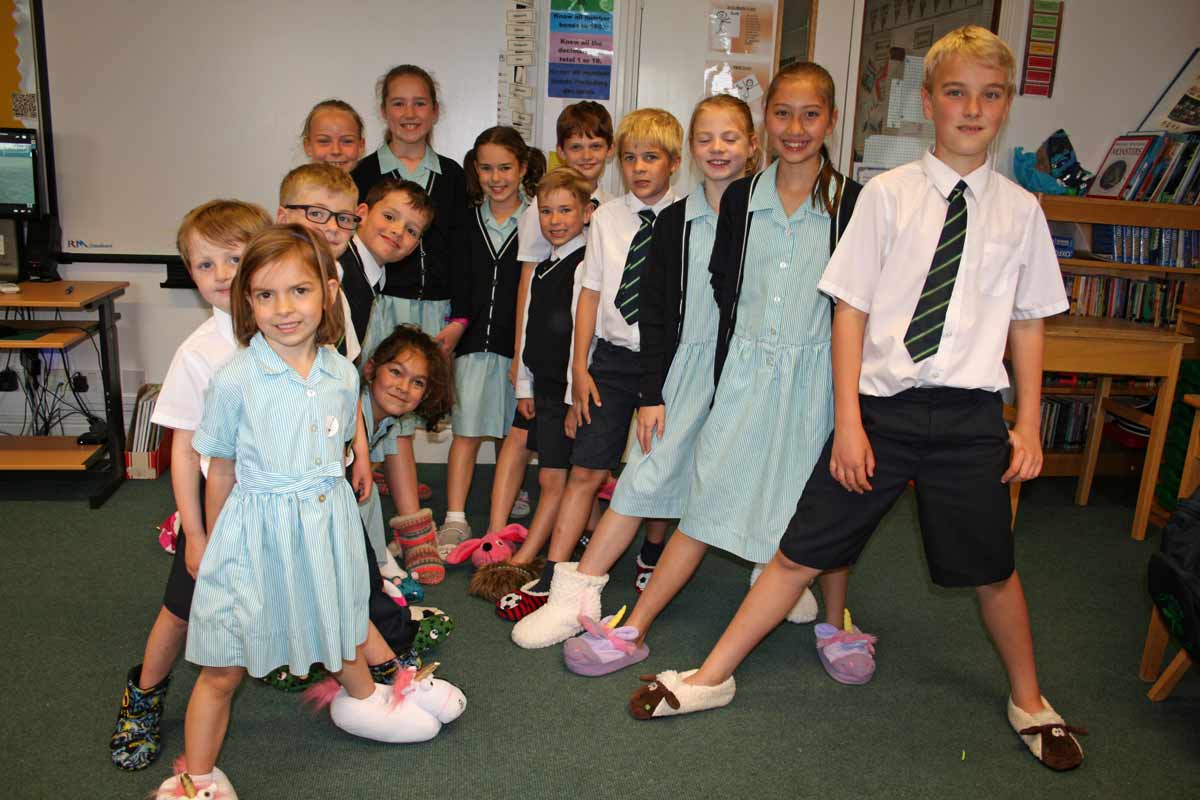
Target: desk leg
1092, 451
110, 366
1154, 448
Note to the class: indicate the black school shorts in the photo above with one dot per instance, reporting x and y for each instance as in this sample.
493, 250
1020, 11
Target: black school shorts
177, 596
601, 443
953, 444
547, 435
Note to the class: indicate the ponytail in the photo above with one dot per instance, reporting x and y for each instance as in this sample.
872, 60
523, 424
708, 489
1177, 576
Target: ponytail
535, 169
826, 177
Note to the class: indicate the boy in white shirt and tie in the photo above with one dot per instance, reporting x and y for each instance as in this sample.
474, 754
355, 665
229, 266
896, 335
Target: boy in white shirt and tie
943, 263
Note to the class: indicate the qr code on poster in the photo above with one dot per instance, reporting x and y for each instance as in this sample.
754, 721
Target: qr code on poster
24, 105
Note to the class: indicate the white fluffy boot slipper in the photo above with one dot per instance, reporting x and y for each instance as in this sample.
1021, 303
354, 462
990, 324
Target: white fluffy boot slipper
666, 695
571, 594
805, 609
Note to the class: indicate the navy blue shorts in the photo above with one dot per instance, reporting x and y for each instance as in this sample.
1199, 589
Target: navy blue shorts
548, 435
177, 596
617, 372
953, 443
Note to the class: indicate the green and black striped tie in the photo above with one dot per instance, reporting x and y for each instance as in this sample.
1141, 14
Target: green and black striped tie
627, 294
924, 333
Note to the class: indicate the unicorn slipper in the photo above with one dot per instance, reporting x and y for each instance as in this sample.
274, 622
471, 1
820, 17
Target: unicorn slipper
604, 648
413, 709
666, 695
847, 655
215, 787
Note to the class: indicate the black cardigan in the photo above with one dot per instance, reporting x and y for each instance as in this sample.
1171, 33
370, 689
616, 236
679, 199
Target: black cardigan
494, 278
436, 269
664, 282
727, 264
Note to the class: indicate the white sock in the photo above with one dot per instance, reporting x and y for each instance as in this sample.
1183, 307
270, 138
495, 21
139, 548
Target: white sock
389, 568
456, 516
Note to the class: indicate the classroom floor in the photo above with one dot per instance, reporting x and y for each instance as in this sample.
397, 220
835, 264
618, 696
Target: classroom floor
81, 588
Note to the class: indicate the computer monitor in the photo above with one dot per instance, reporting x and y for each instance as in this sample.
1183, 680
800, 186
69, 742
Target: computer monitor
19, 196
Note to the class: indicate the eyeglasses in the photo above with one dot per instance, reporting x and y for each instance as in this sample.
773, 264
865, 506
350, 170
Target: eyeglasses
320, 215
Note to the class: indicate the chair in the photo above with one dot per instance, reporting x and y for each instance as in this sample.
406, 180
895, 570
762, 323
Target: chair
1157, 636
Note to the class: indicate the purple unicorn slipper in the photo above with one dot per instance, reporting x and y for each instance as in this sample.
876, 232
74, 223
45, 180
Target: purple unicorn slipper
603, 648
847, 655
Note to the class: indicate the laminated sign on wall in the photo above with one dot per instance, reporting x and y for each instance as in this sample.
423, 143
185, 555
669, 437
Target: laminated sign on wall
581, 49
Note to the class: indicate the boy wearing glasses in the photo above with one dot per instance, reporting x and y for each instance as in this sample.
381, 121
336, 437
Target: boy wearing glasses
323, 198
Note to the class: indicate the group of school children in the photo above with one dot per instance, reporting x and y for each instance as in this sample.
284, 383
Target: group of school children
792, 349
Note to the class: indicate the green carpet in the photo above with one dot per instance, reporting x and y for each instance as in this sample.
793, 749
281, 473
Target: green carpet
81, 588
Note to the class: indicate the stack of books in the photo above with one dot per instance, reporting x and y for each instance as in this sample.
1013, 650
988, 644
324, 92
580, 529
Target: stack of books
147, 447
1064, 422
1151, 167
1153, 301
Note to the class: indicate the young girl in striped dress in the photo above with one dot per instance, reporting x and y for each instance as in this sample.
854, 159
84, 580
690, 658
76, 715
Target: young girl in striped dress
284, 577
429, 288
773, 403
502, 173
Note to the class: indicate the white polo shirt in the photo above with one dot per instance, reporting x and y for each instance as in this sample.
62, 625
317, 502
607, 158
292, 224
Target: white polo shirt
181, 400
532, 246
1008, 271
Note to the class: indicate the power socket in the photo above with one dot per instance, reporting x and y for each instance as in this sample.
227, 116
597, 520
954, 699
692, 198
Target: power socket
8, 380
79, 382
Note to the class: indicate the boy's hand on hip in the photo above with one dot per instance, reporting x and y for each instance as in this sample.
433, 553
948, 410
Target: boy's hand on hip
650, 419
1026, 461
852, 462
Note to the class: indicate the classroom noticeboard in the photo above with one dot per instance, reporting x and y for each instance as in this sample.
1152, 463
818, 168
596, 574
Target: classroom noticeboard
579, 61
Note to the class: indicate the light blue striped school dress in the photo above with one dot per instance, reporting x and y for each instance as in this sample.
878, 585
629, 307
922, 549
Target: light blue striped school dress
773, 408
387, 312
484, 398
657, 484
371, 510
284, 576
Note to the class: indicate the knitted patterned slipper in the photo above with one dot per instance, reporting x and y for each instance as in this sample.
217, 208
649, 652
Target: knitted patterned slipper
493, 581
417, 536
517, 605
666, 695
1048, 737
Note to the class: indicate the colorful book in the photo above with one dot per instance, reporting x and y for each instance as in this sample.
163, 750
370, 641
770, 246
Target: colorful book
1117, 171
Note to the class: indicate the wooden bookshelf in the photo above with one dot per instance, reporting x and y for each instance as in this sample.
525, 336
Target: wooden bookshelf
1118, 348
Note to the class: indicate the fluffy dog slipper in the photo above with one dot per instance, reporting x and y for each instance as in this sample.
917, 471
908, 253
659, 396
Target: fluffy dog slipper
666, 695
1047, 736
493, 581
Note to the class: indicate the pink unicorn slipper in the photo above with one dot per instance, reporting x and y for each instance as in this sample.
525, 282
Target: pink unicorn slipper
413, 709
666, 695
215, 786
168, 532
847, 653
603, 648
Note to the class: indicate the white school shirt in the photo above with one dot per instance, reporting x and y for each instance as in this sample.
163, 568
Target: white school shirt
524, 376
181, 400
376, 274
1009, 271
532, 246
353, 347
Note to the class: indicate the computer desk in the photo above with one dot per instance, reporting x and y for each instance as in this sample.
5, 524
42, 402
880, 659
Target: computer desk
61, 453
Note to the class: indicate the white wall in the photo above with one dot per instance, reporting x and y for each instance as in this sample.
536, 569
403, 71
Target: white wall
1116, 59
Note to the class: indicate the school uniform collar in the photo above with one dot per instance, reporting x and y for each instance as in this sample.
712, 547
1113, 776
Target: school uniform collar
273, 364
559, 253
502, 228
374, 437
389, 163
635, 205
944, 179
372, 269
224, 325
697, 205
766, 198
